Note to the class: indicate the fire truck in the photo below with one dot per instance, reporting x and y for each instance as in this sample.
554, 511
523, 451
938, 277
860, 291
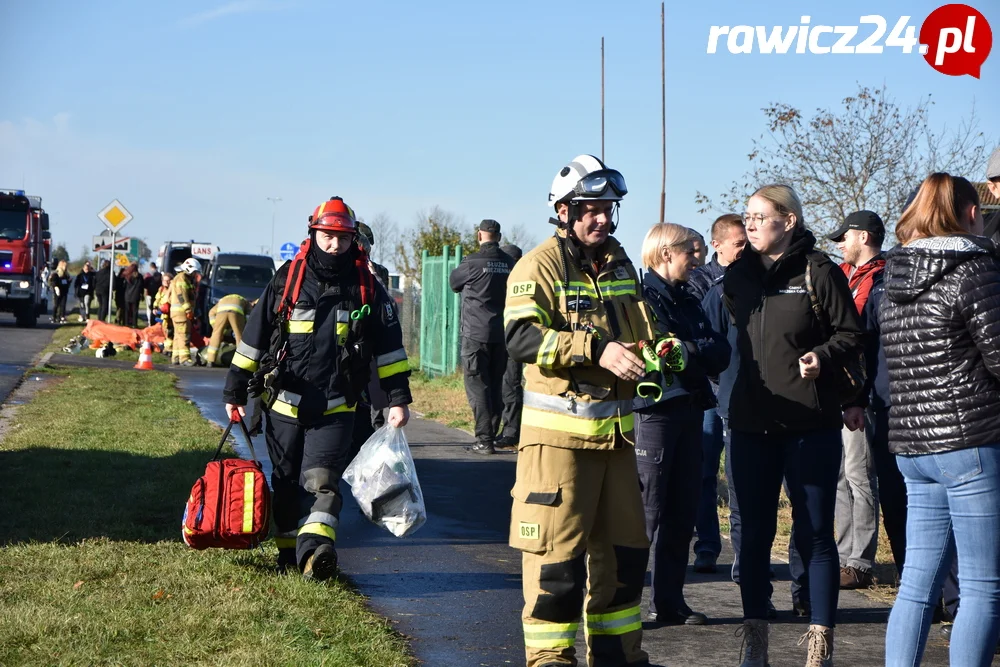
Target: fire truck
25, 248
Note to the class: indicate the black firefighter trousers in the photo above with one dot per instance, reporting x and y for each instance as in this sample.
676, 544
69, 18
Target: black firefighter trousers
308, 459
484, 365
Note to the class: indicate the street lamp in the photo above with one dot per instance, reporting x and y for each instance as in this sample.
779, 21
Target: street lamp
274, 201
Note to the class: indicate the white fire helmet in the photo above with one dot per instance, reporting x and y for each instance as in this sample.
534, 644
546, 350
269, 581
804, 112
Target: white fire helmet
586, 178
189, 266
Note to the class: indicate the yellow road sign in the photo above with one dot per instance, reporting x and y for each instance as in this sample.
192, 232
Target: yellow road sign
115, 216
122, 260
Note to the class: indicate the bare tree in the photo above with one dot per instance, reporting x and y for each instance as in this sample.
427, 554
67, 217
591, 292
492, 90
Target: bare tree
520, 236
433, 230
386, 233
869, 154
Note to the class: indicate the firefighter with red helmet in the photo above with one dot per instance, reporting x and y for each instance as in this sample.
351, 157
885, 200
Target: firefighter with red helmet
307, 351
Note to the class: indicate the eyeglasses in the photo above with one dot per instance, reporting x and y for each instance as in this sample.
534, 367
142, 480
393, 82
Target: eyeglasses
597, 183
758, 218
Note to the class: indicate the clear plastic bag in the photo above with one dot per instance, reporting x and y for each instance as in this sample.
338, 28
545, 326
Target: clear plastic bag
383, 480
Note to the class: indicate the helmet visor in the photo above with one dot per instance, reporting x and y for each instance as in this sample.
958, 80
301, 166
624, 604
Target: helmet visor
596, 184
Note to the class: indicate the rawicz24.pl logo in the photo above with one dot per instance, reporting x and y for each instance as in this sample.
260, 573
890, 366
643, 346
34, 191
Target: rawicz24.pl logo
954, 39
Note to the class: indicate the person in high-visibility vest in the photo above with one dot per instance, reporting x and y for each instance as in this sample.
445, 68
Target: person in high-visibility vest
182, 310
161, 310
228, 315
573, 317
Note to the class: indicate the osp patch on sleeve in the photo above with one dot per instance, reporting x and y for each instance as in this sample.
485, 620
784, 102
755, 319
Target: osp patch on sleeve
526, 288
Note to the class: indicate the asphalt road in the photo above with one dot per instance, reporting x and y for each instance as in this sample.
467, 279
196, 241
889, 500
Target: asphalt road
18, 348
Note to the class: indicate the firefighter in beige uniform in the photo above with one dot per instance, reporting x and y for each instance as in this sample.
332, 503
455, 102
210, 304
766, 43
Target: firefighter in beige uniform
573, 316
229, 314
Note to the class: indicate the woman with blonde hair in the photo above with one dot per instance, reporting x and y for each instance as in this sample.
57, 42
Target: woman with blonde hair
940, 323
669, 418
60, 281
796, 329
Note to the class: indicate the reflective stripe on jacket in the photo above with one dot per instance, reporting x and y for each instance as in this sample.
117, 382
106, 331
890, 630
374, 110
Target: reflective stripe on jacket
558, 327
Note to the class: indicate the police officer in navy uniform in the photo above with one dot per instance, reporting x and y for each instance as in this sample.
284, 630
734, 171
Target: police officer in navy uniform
481, 278
330, 317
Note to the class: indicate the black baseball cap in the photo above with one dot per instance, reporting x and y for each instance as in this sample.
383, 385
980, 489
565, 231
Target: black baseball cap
866, 221
489, 226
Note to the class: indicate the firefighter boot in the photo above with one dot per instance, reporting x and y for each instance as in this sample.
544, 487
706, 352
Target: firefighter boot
483, 447
286, 560
322, 564
753, 652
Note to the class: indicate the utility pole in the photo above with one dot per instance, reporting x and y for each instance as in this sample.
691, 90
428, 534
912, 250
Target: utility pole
663, 103
602, 99
274, 208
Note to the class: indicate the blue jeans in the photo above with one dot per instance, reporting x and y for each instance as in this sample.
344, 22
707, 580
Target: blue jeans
707, 525
955, 493
810, 464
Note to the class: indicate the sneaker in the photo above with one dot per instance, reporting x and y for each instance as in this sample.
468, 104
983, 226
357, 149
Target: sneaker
322, 564
852, 578
704, 562
801, 608
753, 650
483, 447
820, 646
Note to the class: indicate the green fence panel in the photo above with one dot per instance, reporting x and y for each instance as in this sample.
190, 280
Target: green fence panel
439, 314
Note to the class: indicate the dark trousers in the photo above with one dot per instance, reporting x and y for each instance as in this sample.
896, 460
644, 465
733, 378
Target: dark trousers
513, 398
308, 460
668, 452
796, 568
891, 486
102, 306
59, 310
811, 464
712, 444
484, 365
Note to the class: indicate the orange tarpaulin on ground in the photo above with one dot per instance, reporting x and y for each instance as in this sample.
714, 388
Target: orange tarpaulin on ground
119, 335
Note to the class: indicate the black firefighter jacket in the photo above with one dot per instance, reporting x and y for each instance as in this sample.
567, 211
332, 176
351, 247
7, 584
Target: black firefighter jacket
482, 279
775, 325
320, 335
941, 332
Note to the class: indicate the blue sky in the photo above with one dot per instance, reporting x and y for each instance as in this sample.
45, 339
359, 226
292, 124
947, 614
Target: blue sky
192, 113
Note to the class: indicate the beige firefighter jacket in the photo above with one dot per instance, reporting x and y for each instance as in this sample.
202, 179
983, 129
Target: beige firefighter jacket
557, 322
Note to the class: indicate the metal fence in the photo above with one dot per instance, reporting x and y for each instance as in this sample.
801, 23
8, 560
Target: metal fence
439, 312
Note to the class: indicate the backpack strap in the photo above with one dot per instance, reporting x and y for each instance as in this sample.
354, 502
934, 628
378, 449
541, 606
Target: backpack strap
293, 281
817, 308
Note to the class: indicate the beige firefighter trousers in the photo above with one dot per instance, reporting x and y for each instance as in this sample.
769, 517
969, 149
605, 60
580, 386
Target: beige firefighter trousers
578, 519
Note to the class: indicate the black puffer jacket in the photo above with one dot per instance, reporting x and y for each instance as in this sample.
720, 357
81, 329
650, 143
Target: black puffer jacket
941, 332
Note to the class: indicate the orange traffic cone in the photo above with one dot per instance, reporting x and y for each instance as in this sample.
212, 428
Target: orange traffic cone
145, 362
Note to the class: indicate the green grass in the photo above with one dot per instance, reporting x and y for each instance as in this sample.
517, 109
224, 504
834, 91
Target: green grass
442, 399
95, 472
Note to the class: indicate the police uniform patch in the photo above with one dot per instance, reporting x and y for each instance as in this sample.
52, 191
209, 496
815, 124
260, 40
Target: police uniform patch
529, 531
526, 288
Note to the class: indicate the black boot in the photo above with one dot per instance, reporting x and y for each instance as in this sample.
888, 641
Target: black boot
483, 447
322, 564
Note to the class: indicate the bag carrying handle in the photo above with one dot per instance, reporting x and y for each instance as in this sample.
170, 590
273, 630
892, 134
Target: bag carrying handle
233, 419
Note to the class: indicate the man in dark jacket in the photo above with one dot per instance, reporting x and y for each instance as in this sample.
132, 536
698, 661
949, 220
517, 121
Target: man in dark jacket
513, 392
991, 222
102, 286
859, 240
85, 284
151, 285
482, 280
728, 239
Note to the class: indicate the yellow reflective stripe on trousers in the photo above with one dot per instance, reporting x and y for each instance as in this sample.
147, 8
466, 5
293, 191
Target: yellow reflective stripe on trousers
393, 369
575, 425
248, 502
547, 350
284, 542
318, 529
616, 623
550, 635
247, 364
525, 312
298, 327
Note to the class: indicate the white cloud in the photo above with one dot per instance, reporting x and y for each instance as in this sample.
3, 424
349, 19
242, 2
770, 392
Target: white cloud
230, 9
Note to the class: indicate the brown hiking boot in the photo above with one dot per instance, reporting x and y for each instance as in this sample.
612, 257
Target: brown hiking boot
820, 646
853, 578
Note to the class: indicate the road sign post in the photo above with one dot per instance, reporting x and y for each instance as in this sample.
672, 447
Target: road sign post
114, 216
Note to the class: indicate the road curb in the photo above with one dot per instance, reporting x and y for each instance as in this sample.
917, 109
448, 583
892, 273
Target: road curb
44, 360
